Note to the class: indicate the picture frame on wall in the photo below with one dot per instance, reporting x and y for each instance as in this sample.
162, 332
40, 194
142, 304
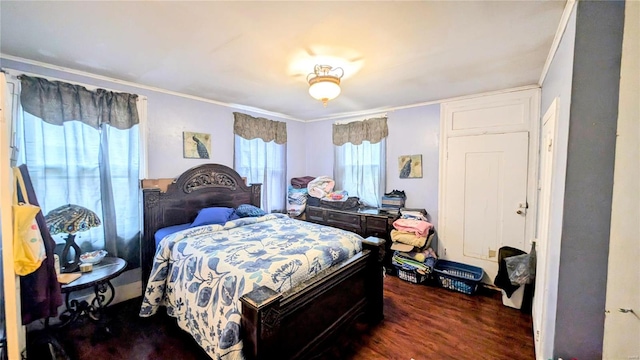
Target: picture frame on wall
196, 145
410, 166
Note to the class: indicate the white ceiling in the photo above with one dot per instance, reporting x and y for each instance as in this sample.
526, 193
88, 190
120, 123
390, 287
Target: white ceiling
258, 54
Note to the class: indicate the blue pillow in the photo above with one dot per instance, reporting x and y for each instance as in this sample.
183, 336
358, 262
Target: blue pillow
246, 210
233, 216
212, 215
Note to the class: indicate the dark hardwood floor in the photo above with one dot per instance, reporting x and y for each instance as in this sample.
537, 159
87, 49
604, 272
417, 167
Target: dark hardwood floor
421, 322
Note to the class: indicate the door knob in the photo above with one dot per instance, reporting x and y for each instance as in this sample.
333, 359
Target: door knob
519, 212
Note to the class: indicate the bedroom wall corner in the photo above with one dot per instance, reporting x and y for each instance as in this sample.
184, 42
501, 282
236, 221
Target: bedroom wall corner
557, 84
416, 131
412, 131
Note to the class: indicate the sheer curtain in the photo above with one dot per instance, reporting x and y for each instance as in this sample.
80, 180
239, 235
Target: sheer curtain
261, 156
360, 159
89, 159
263, 162
361, 171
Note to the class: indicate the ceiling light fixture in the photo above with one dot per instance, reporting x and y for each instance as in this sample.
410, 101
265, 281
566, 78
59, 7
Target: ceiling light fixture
324, 83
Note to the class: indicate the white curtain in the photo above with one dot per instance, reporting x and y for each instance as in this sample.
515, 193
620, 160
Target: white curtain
361, 170
75, 163
265, 163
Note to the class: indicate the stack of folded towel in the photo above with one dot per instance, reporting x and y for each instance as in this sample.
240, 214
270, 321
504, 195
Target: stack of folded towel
411, 236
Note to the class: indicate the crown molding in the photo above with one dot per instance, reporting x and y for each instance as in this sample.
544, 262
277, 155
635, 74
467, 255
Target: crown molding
141, 86
358, 115
562, 26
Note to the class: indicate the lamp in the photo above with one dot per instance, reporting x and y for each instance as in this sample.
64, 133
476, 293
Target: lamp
324, 83
70, 219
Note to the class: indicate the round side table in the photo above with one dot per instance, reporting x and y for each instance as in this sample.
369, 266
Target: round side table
100, 280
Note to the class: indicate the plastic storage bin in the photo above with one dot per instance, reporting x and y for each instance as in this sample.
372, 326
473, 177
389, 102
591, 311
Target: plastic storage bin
458, 277
411, 276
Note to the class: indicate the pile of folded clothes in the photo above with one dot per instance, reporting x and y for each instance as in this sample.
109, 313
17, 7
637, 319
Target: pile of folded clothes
412, 236
296, 201
422, 262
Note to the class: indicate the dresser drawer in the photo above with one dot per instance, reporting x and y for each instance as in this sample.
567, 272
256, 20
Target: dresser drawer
314, 214
343, 221
376, 224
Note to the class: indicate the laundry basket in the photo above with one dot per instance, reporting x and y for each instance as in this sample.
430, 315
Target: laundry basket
458, 277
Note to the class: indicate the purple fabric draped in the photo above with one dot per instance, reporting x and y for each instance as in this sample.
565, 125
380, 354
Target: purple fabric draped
40, 290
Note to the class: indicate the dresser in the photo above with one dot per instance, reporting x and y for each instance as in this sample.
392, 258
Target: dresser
364, 222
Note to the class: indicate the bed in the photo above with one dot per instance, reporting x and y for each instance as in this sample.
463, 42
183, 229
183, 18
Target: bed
275, 321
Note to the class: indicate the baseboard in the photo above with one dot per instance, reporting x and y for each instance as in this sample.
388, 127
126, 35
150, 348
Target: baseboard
127, 292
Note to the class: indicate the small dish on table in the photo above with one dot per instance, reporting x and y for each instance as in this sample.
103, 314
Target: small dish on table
93, 257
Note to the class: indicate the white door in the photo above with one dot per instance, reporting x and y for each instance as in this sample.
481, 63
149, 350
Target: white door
486, 194
543, 293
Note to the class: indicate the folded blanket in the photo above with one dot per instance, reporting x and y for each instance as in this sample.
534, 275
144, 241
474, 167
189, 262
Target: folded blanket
419, 227
408, 238
420, 256
297, 196
321, 186
409, 214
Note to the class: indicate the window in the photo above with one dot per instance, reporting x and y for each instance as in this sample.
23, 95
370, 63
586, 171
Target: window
359, 165
360, 170
265, 163
261, 156
72, 160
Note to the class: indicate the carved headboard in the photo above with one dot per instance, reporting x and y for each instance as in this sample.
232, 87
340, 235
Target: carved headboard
197, 188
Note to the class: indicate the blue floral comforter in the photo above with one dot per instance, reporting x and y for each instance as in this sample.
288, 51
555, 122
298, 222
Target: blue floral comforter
200, 273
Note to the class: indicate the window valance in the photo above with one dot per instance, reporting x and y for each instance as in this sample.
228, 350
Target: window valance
250, 127
371, 130
56, 102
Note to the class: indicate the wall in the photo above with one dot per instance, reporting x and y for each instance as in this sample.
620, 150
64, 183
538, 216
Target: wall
319, 148
622, 331
557, 84
589, 180
169, 115
416, 131
412, 131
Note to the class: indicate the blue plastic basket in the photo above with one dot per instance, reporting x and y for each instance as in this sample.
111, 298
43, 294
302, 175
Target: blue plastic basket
409, 273
458, 277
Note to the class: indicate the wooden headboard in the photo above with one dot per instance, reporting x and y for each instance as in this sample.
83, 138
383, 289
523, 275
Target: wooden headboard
197, 188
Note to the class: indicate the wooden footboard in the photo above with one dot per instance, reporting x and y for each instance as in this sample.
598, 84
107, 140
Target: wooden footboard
298, 323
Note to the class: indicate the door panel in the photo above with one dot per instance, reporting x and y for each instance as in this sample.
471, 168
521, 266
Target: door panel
544, 293
483, 184
486, 196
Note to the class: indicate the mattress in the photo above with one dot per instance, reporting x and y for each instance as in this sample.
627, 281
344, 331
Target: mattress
200, 273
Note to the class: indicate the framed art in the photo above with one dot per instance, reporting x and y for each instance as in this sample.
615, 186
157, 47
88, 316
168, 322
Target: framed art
410, 166
196, 145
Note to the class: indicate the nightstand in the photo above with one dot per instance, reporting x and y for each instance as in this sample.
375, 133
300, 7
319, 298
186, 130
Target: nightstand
99, 279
